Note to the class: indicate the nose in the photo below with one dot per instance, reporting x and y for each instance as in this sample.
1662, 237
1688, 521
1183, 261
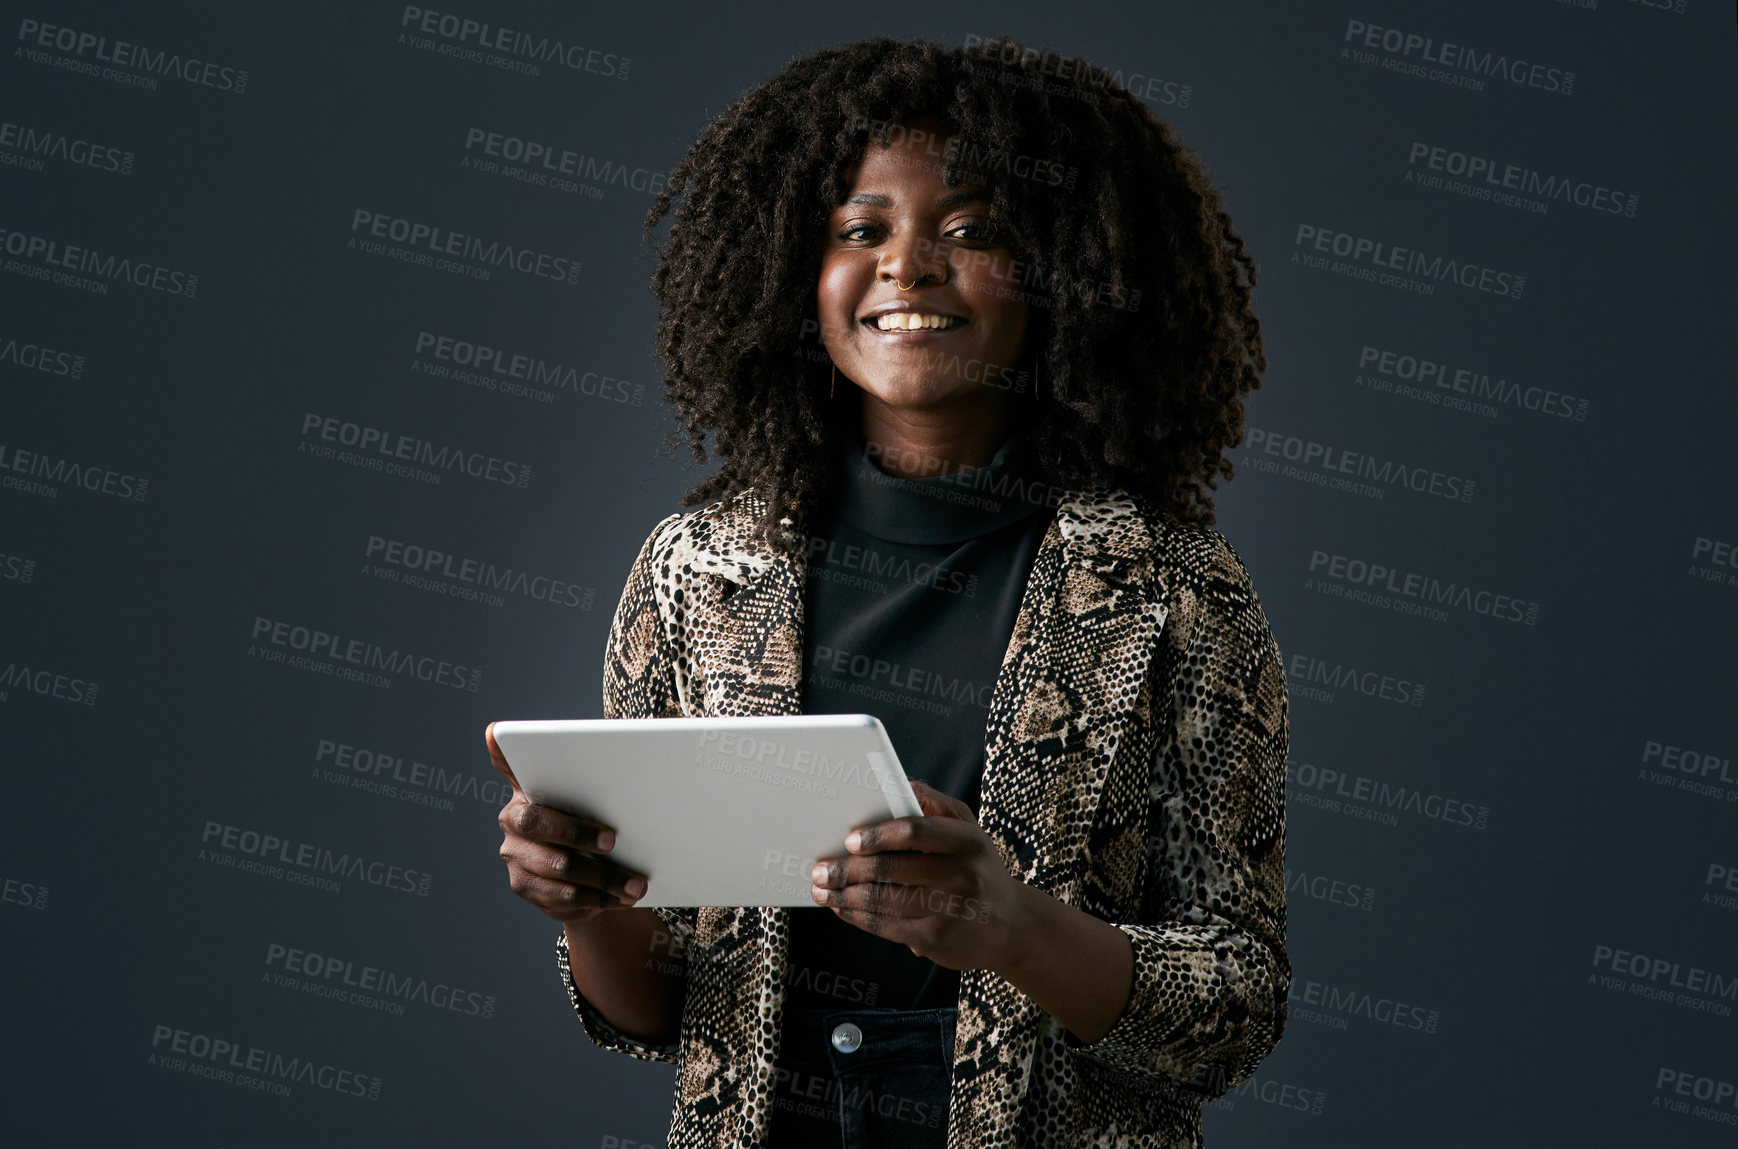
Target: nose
911, 259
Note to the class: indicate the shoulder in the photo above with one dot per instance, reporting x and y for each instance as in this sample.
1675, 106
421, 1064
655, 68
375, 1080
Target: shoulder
1204, 557
1201, 576
1199, 556
714, 536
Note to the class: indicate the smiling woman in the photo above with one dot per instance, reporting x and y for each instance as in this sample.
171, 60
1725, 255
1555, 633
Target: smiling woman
921, 350
970, 332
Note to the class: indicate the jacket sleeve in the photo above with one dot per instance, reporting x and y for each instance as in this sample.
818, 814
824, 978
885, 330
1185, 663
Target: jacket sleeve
1211, 973
638, 682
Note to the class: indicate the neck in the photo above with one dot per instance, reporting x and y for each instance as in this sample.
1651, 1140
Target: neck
912, 443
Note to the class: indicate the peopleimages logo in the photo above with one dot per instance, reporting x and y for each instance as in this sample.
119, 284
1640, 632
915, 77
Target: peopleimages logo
46, 684
1375, 800
129, 63
242, 848
46, 472
1334, 891
513, 373
30, 895
1714, 560
1511, 185
478, 42
774, 759
1720, 1095
416, 565
326, 652
16, 568
1445, 62
403, 456
1409, 592
422, 243
397, 776
66, 265
29, 356
1338, 468
1719, 886
323, 975
1391, 265
251, 1067
1444, 384
1305, 673
534, 161
1351, 1003
1073, 77
24, 146
1664, 980
1702, 772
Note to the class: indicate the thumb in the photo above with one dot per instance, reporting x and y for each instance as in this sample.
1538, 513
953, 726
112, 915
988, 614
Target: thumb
935, 804
497, 759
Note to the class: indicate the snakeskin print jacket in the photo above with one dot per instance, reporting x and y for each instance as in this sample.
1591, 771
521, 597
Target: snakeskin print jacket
1134, 769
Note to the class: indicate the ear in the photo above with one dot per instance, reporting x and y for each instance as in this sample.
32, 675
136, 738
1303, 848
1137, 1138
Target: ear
935, 804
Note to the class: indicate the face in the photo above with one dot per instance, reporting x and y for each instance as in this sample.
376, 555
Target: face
900, 223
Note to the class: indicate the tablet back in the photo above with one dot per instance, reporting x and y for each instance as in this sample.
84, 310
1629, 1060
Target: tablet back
716, 811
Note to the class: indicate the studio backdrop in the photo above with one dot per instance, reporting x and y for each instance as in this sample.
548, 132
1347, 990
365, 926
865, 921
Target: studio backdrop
329, 428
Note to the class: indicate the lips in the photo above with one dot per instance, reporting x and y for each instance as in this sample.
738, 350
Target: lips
905, 320
913, 321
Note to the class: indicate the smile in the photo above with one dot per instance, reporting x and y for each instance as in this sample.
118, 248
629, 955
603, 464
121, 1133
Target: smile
912, 321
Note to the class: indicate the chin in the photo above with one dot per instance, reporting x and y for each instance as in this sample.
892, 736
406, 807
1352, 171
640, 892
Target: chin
924, 393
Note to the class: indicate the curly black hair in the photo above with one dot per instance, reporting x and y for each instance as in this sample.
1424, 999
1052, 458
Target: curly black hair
1142, 289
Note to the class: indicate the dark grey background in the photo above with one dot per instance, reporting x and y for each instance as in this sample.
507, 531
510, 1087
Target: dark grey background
1494, 931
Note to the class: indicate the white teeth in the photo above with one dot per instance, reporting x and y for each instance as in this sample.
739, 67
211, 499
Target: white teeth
911, 320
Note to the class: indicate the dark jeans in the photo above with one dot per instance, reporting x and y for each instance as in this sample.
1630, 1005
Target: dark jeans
889, 1092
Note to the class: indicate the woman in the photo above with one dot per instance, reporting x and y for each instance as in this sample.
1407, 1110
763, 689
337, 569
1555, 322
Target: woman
971, 332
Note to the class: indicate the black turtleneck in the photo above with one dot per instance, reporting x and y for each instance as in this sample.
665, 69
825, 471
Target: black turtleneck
910, 604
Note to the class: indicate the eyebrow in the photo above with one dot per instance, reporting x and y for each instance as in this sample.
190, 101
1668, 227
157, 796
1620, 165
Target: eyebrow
951, 200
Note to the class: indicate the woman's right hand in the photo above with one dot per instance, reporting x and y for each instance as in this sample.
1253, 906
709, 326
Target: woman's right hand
554, 860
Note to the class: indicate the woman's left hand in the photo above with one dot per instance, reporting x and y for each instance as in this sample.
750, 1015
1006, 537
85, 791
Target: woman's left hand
933, 883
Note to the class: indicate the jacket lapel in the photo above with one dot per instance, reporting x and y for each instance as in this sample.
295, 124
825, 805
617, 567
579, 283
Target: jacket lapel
1073, 674
744, 621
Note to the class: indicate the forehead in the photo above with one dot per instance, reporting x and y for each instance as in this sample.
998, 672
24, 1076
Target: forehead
915, 156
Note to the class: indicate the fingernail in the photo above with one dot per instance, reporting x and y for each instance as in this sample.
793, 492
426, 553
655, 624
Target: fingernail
853, 840
818, 875
636, 886
606, 839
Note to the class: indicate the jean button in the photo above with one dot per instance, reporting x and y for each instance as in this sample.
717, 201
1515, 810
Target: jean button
847, 1038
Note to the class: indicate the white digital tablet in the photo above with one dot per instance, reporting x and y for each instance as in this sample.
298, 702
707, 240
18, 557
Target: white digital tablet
716, 811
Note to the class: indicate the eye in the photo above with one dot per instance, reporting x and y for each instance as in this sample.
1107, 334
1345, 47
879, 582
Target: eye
849, 234
981, 232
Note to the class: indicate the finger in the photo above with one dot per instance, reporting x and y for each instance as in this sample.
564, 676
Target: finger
572, 867
525, 819
907, 867
885, 910
558, 899
936, 804
528, 860
497, 759
933, 835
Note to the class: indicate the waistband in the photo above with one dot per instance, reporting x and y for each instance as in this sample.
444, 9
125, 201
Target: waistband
910, 1036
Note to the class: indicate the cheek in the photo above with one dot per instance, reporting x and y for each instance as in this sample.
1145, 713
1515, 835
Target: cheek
993, 289
995, 273
837, 291
1004, 323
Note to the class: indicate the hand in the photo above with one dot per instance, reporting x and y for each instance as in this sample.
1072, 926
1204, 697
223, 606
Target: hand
933, 883
552, 858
